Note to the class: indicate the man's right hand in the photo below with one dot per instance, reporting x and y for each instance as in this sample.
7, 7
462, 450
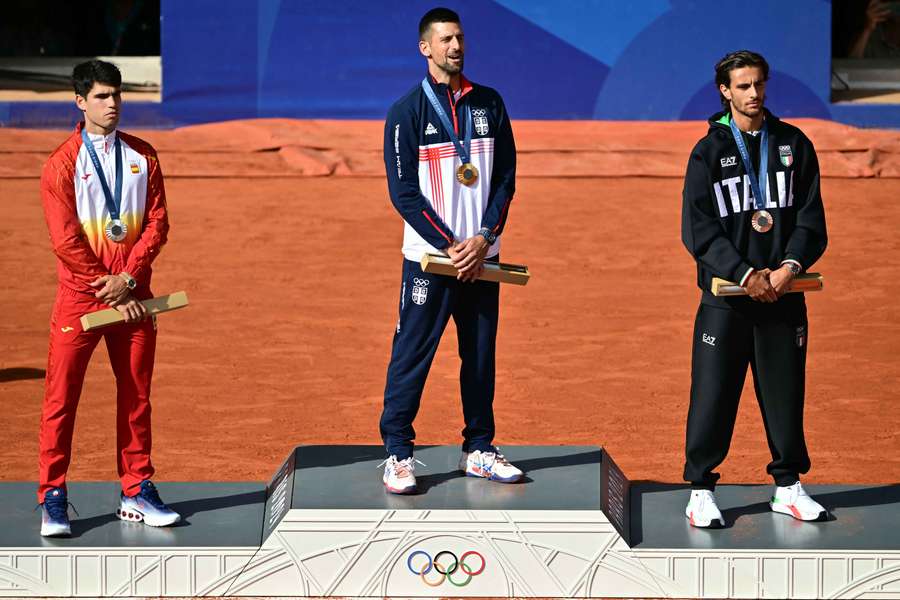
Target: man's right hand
759, 288
111, 289
133, 310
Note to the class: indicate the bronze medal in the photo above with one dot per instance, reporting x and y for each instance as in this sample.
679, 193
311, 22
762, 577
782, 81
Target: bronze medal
116, 230
762, 221
467, 174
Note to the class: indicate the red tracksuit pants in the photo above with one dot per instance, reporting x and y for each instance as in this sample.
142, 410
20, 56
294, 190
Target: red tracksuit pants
131, 348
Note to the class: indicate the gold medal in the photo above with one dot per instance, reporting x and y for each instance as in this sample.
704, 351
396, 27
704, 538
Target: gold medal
467, 174
116, 230
762, 221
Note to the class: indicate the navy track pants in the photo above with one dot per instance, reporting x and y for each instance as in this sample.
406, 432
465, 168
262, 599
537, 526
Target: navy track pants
427, 301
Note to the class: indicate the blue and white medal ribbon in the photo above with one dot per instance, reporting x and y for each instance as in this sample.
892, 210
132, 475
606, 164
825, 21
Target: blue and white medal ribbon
115, 229
466, 173
762, 219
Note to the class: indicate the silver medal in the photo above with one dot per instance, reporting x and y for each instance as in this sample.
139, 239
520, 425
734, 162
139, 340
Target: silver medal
116, 230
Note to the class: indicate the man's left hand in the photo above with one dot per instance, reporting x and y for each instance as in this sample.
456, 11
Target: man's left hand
781, 280
468, 257
112, 289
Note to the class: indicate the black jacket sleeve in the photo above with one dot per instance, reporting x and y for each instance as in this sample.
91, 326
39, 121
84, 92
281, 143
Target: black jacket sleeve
401, 161
503, 178
809, 238
701, 230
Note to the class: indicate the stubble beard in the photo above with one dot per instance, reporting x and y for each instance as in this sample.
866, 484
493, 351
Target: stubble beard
751, 112
450, 68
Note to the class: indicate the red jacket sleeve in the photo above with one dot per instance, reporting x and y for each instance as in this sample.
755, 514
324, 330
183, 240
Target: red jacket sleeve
66, 234
155, 227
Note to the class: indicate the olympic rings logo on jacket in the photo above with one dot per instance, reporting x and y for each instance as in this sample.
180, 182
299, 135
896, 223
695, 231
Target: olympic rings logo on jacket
445, 571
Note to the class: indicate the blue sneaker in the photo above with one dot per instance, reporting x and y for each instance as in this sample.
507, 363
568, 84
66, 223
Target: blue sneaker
146, 506
55, 514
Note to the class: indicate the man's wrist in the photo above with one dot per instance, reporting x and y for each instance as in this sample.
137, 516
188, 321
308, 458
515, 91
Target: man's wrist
130, 282
489, 236
792, 266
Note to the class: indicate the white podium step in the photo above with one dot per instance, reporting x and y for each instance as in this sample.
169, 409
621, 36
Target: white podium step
576, 527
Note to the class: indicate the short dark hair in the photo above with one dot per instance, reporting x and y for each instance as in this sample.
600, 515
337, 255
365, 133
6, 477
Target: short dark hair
738, 60
86, 74
436, 15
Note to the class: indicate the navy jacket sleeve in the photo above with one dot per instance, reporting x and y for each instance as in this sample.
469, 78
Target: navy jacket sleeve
503, 178
807, 243
701, 230
401, 161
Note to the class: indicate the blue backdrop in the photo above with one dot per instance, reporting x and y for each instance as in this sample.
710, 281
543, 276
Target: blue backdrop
570, 59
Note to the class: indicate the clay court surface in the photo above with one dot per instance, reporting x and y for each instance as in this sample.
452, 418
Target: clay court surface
283, 236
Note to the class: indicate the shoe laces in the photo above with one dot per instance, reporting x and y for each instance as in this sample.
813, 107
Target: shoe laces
402, 468
704, 497
151, 495
494, 457
57, 507
796, 491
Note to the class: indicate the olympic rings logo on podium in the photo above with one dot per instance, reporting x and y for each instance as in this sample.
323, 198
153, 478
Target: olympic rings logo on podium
442, 565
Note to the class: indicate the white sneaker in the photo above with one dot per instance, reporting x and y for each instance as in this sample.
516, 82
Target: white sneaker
702, 510
490, 465
146, 507
794, 501
398, 475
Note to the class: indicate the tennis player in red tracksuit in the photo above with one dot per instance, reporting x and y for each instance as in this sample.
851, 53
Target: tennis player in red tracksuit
105, 238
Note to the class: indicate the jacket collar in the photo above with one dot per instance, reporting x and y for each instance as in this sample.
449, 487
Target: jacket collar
442, 88
722, 119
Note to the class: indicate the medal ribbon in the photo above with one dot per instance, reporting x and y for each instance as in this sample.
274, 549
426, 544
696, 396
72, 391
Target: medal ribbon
758, 185
112, 205
461, 148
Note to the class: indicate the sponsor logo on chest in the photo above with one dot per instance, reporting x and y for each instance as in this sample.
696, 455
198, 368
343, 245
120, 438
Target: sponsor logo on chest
431, 130
728, 161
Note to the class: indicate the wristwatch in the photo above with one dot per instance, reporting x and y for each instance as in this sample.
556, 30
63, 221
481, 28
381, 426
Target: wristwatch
794, 267
487, 235
130, 281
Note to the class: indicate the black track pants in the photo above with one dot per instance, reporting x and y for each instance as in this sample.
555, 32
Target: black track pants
772, 339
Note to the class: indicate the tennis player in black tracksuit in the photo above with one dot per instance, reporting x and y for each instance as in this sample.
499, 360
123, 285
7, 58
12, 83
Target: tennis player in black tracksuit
723, 232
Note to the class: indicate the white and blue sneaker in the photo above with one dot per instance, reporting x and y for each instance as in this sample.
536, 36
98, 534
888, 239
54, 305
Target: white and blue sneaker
147, 507
55, 514
489, 465
399, 475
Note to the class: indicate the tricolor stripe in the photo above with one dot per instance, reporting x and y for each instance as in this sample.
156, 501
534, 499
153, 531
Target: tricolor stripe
746, 276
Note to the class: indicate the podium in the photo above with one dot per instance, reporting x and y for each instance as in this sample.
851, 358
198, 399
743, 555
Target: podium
575, 527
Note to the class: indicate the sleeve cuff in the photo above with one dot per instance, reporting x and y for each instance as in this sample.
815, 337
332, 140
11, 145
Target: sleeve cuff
791, 260
746, 276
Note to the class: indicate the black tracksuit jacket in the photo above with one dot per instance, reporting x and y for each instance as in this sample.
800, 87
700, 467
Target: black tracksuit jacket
718, 205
